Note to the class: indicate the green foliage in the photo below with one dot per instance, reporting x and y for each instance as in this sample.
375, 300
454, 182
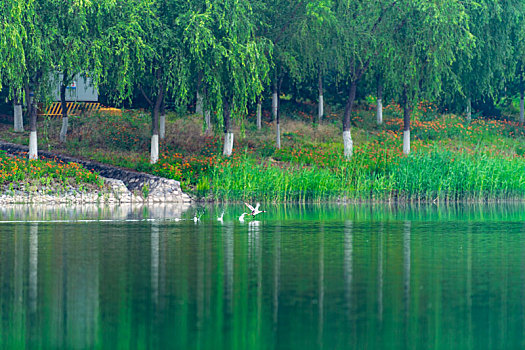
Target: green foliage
145, 190
425, 36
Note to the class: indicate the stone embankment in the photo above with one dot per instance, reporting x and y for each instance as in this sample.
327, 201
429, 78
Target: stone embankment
123, 186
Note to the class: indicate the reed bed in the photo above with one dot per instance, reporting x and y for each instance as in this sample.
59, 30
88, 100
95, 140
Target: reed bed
428, 175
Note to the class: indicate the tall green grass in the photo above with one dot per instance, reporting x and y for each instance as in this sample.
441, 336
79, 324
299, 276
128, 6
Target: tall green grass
249, 180
436, 175
446, 175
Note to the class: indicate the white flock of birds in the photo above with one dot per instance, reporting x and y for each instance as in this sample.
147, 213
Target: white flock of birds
253, 211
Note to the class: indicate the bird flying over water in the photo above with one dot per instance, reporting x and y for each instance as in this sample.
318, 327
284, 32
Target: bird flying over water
241, 218
255, 211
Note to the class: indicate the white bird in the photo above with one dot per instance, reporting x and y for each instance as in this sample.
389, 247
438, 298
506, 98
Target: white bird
255, 210
241, 218
220, 217
196, 218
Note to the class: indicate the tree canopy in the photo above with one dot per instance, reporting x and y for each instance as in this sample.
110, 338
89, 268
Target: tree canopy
444, 51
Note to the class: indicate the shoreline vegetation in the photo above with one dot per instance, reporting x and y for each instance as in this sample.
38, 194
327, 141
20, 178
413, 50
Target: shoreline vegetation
48, 181
451, 159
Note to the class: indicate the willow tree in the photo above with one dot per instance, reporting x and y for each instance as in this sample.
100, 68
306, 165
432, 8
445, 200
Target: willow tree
483, 70
312, 38
280, 21
130, 51
518, 57
37, 55
426, 36
164, 62
221, 41
376, 79
13, 35
360, 26
70, 46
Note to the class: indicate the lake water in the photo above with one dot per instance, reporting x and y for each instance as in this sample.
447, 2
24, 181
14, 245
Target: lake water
300, 277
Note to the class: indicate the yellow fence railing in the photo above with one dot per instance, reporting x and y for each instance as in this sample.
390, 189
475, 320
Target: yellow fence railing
73, 108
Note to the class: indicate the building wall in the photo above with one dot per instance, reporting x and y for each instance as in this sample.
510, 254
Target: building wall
81, 90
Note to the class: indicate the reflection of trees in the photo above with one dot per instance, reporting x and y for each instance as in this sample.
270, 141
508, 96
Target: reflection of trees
348, 265
33, 266
406, 265
200, 264
380, 272
228, 246
406, 279
255, 259
365, 285
18, 302
276, 275
155, 252
258, 253
321, 288
469, 284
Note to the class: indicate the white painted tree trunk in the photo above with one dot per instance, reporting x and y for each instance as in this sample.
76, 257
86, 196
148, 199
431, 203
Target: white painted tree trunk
33, 145
162, 126
320, 107
259, 115
207, 119
274, 105
522, 108
379, 111
469, 110
19, 121
348, 144
63, 131
199, 106
406, 141
154, 149
228, 144
278, 136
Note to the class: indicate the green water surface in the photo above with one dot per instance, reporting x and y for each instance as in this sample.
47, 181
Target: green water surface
300, 277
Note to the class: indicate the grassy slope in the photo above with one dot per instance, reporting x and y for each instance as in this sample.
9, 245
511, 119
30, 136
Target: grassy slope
450, 159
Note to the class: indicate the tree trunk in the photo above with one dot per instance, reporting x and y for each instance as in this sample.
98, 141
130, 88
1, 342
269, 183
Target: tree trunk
17, 114
228, 132
207, 113
320, 111
522, 102
379, 104
347, 136
63, 106
278, 136
162, 122
278, 123
406, 123
207, 120
154, 158
199, 105
29, 101
33, 144
469, 109
275, 103
259, 112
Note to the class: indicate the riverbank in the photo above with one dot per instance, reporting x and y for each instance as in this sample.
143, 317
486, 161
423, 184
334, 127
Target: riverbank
56, 179
451, 159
